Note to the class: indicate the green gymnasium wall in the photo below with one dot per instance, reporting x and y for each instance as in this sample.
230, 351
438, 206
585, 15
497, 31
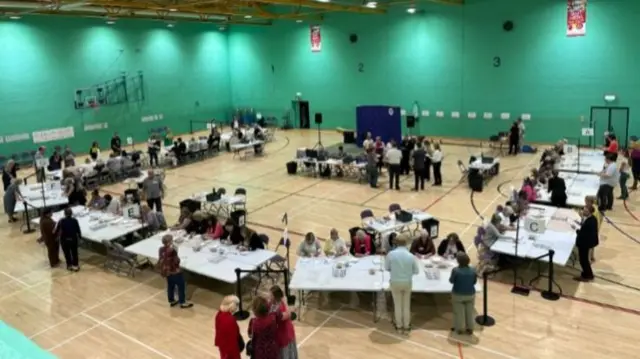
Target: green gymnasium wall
443, 59
43, 60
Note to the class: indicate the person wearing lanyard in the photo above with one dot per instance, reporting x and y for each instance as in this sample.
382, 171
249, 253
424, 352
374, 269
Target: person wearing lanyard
394, 157
608, 180
436, 160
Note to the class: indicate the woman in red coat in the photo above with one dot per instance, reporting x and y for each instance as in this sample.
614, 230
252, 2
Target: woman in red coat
263, 329
286, 338
227, 332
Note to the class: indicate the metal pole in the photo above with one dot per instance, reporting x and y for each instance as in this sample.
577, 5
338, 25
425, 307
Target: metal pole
241, 314
485, 319
549, 294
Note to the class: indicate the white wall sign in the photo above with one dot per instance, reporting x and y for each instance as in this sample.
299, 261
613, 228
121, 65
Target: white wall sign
587, 132
425, 113
526, 116
455, 114
129, 141
440, 114
487, 115
152, 118
208, 126
471, 115
54, 134
96, 126
505, 115
14, 138
403, 112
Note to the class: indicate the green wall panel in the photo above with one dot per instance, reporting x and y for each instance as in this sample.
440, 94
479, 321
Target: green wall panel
443, 58
43, 60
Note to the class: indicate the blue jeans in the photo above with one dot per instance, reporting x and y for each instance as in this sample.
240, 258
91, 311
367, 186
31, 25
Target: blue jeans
176, 281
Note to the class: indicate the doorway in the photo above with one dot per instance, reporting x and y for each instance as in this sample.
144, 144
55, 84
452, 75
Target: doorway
303, 114
609, 119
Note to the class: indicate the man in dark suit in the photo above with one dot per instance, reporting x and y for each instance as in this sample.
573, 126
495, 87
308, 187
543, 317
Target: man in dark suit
586, 239
419, 155
558, 189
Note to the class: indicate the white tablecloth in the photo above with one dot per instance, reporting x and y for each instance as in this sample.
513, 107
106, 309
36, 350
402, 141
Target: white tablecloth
387, 225
204, 261
98, 226
316, 274
590, 163
558, 236
37, 198
579, 185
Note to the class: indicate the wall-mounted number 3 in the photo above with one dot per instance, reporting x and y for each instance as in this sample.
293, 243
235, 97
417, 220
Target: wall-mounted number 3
361, 67
497, 61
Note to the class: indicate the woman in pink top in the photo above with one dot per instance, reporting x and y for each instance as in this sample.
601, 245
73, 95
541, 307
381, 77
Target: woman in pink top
529, 189
215, 229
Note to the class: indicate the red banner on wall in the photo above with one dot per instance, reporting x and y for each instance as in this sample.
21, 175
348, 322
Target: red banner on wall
316, 38
576, 17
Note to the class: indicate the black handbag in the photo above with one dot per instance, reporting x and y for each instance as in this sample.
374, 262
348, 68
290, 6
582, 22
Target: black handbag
249, 346
241, 344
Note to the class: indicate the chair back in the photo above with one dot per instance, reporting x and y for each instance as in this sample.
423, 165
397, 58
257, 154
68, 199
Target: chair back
240, 192
462, 167
265, 239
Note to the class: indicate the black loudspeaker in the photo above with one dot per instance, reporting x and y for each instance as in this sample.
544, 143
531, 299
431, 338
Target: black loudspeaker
318, 118
411, 121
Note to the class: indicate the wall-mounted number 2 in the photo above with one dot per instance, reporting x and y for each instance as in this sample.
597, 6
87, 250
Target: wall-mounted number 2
497, 61
361, 67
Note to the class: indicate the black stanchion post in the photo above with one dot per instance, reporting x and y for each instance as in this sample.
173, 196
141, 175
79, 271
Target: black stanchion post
485, 319
518, 289
241, 314
549, 294
27, 219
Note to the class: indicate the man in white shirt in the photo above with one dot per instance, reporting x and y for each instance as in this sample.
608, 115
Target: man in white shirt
402, 266
113, 205
368, 142
436, 162
393, 157
608, 180
522, 128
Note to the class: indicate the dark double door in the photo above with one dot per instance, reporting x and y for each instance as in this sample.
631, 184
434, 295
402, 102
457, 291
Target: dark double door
609, 119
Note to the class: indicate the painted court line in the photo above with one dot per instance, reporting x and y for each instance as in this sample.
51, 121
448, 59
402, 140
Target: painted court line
324, 322
101, 322
94, 306
148, 347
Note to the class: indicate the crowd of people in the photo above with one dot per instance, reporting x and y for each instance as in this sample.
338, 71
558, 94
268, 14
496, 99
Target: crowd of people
416, 154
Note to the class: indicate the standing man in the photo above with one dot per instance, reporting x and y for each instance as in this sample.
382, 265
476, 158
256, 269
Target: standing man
419, 159
608, 180
394, 157
70, 234
169, 264
39, 158
153, 190
372, 168
402, 267
586, 239
116, 144
521, 129
514, 139
406, 147
436, 162
48, 235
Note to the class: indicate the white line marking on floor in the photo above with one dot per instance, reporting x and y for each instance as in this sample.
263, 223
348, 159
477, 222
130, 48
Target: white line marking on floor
320, 326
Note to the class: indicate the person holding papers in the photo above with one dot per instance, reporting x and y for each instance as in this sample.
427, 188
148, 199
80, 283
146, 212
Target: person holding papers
451, 246
335, 246
232, 232
310, 247
558, 190
423, 246
112, 205
402, 267
169, 265
586, 239
362, 244
96, 202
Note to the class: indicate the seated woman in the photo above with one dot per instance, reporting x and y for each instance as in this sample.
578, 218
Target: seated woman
184, 220
232, 232
96, 202
215, 229
310, 246
493, 230
423, 245
112, 205
335, 246
451, 246
253, 241
506, 213
521, 205
154, 220
362, 244
388, 242
558, 190
199, 223
529, 188
55, 162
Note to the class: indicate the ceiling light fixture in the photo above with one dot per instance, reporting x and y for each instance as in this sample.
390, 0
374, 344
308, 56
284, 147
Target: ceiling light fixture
324, 0
298, 21
110, 21
222, 28
170, 25
371, 4
411, 10
173, 10
14, 17
248, 16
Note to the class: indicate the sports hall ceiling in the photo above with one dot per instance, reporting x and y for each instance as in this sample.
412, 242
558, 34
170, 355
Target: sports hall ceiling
222, 12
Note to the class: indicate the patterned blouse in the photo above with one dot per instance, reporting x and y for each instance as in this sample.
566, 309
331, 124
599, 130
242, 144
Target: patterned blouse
169, 261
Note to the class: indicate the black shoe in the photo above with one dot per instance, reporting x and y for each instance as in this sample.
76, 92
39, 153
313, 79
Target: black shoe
173, 303
469, 332
397, 188
186, 305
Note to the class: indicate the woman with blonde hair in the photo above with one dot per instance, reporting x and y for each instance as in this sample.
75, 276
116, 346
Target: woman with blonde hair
9, 172
11, 197
227, 333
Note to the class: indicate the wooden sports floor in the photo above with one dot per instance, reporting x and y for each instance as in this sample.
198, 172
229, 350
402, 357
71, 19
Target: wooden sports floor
97, 314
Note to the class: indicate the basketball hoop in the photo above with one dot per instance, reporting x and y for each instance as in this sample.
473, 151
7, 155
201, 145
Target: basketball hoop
94, 106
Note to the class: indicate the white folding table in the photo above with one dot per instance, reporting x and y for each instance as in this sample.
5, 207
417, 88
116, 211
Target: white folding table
240, 149
40, 196
579, 185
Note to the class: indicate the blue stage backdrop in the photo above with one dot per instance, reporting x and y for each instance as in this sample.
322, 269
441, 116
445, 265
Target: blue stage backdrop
383, 121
